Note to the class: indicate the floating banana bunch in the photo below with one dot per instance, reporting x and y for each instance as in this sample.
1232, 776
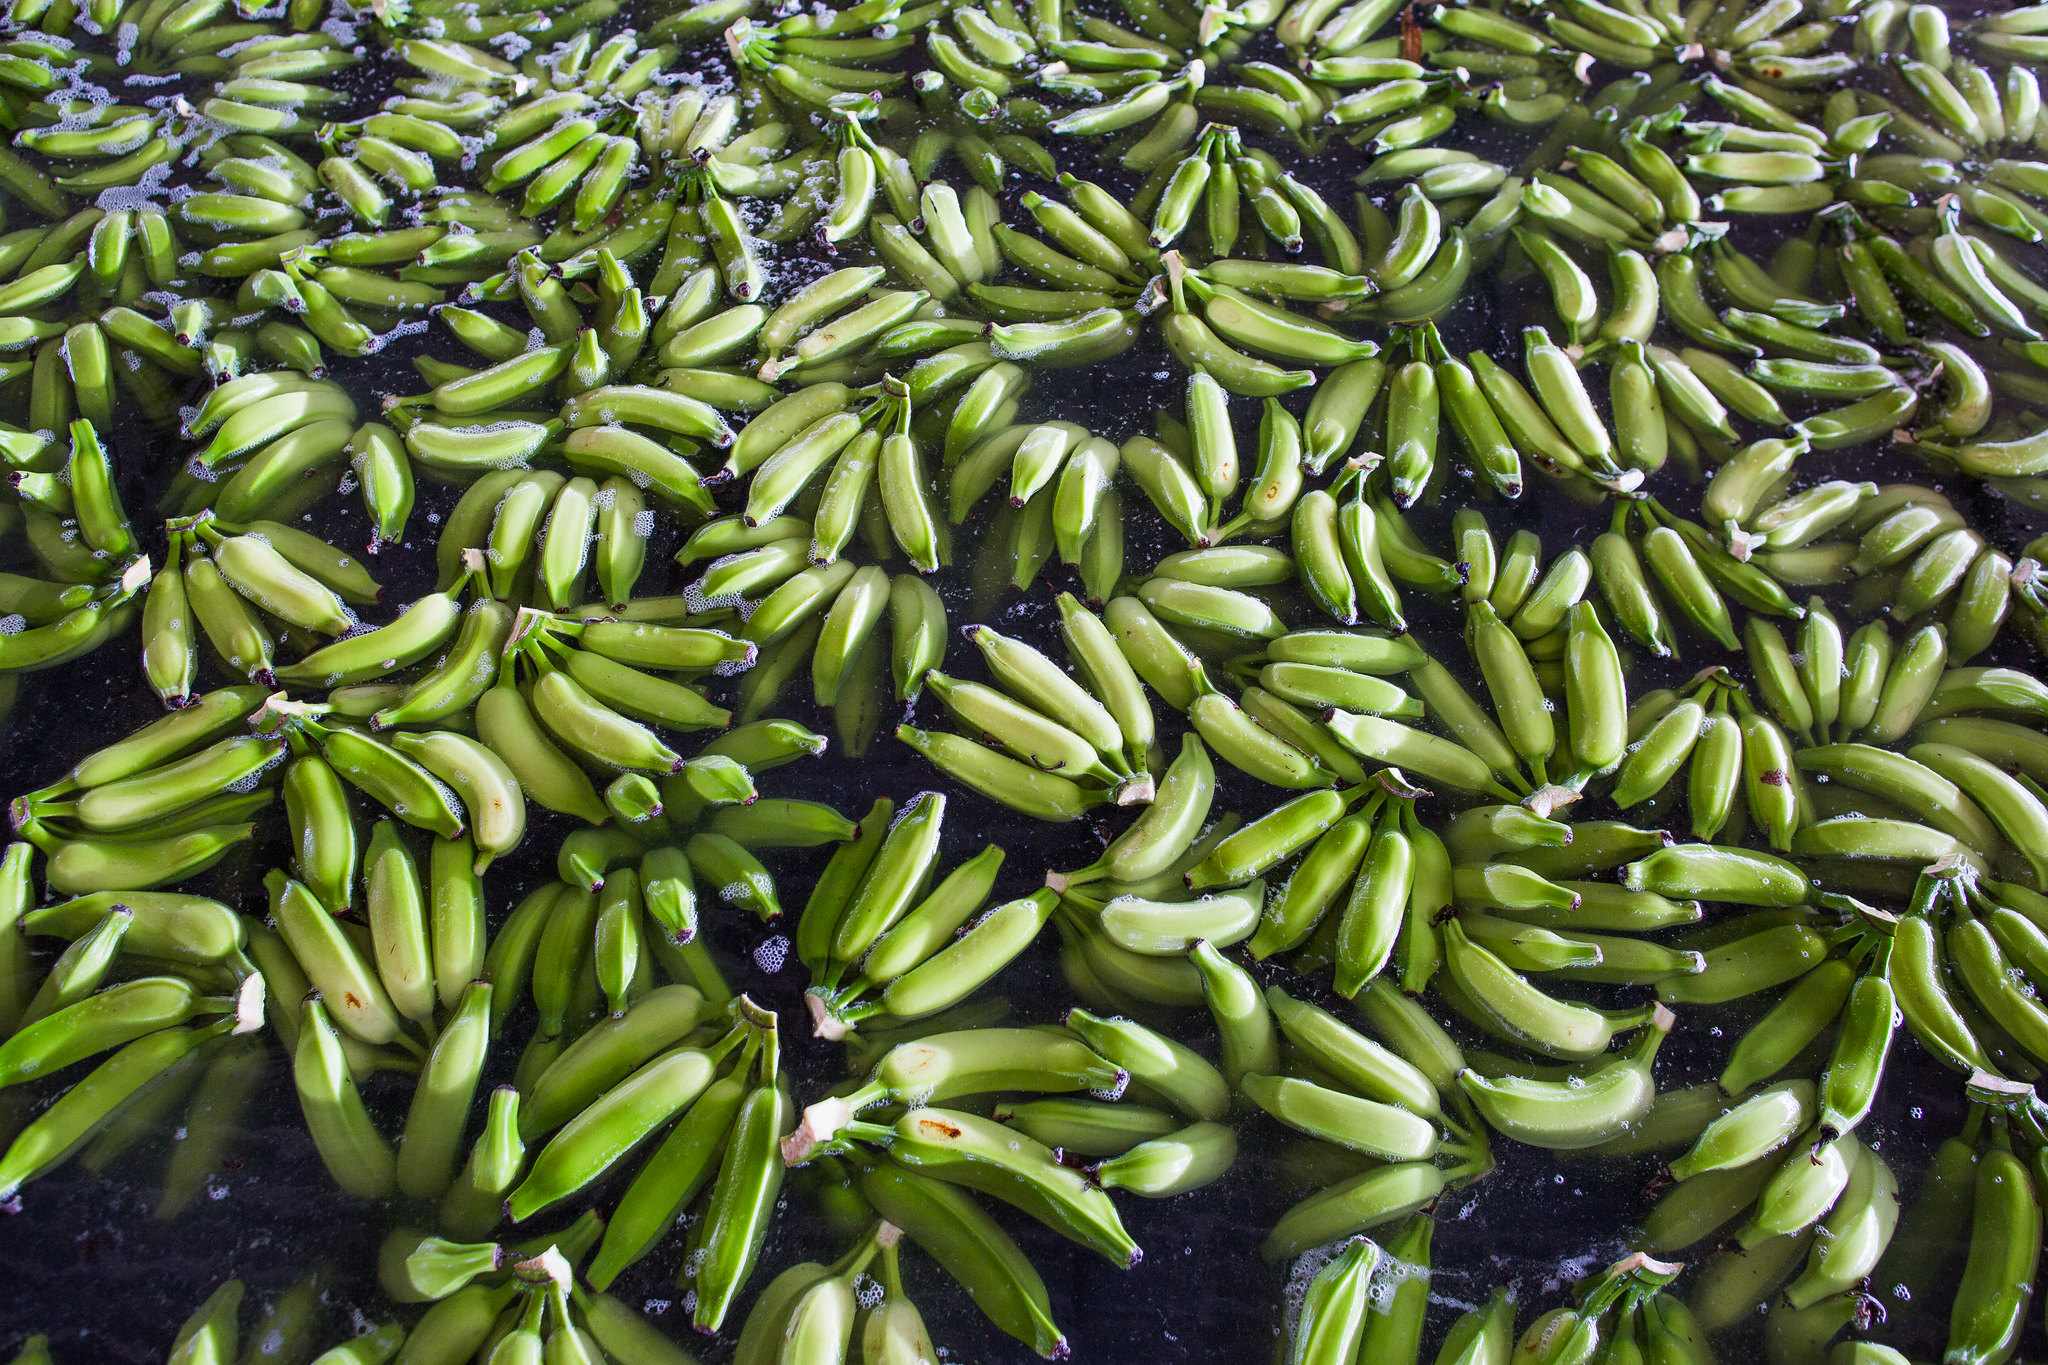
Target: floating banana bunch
527, 1294
1072, 744
879, 947
1070, 504
1354, 1295
84, 1007
993, 1158
1192, 472
295, 1320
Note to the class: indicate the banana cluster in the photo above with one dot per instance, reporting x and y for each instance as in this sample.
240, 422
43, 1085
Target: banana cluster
294, 1323
1166, 1145
882, 947
1362, 1297
1900, 544
158, 805
1072, 744
524, 1300
163, 988
815, 1312
1975, 1215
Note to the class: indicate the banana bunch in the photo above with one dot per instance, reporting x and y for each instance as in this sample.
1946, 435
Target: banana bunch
813, 62
243, 588
268, 83
72, 368
1335, 28
880, 947
1148, 115
989, 138
1002, 1158
1961, 971
207, 1101
1219, 177
1350, 1303
83, 148
1110, 976
1983, 1186
404, 1001
1355, 1094
474, 93
278, 437
166, 812
70, 516
1238, 338
535, 535
574, 353
814, 1312
371, 159
1717, 737
1736, 1283
1951, 791
584, 699
576, 135
1484, 987
578, 1076
1364, 844
875, 470
1063, 499
1953, 97
1395, 1095
206, 1096
294, 1323
464, 428
988, 47
827, 187
954, 1230
43, 267
1073, 744
829, 615
1976, 1202
1259, 733
1499, 421
2008, 38
345, 309
93, 1000
724, 1105
2007, 455
1097, 263
525, 1300
1393, 102
108, 16
1540, 647
493, 21
1968, 278
702, 822
1779, 1161
1902, 545
1191, 471
1623, 1310
1657, 572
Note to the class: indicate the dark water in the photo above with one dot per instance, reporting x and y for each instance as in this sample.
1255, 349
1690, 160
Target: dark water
86, 1261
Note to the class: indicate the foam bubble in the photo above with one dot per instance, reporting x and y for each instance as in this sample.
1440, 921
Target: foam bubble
770, 956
